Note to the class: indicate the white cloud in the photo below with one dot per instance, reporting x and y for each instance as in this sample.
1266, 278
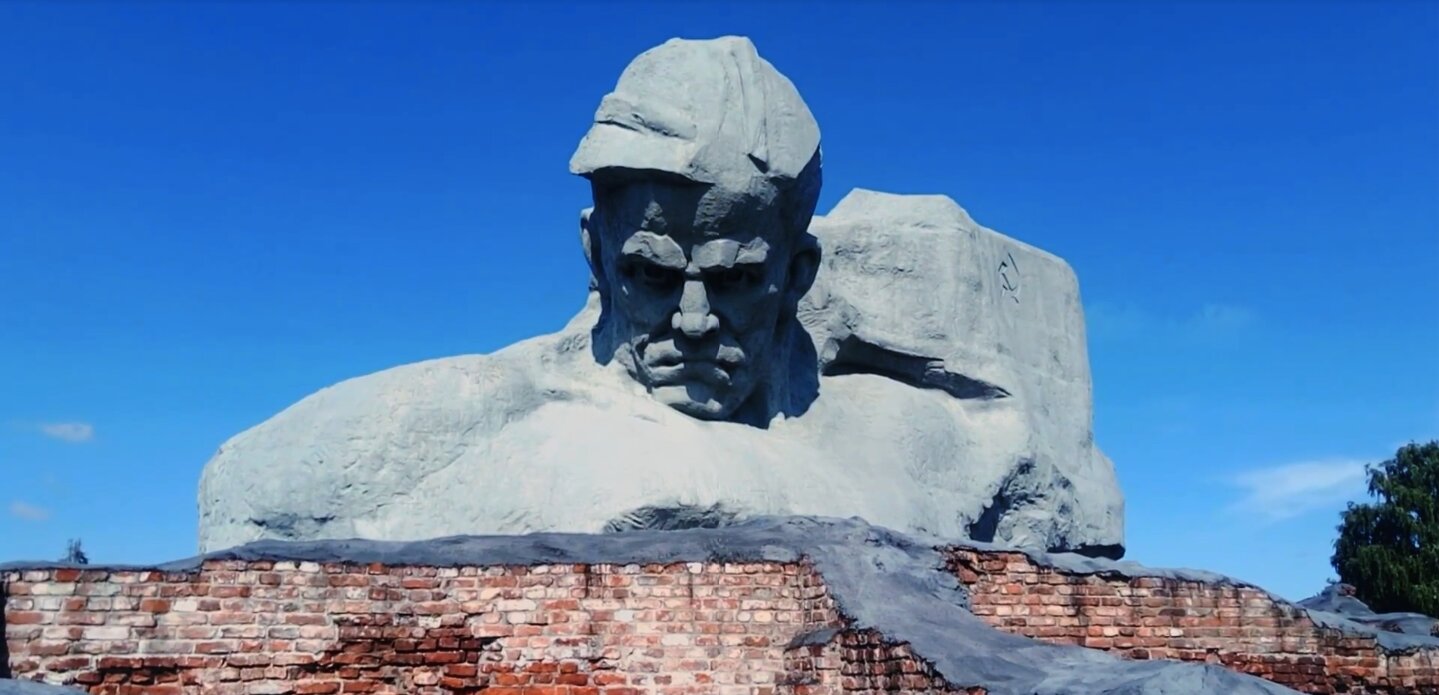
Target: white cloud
1290, 490
1210, 322
28, 512
73, 432
1214, 319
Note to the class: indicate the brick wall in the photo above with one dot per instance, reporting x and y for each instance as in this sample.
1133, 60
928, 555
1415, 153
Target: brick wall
676, 629
306, 628
1240, 627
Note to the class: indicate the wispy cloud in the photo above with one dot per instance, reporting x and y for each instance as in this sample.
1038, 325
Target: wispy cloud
1207, 323
28, 512
1282, 492
1214, 319
73, 432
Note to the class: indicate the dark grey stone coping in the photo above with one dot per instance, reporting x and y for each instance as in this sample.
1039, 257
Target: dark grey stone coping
17, 687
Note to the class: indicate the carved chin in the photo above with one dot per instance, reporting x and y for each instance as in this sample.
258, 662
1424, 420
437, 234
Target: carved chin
700, 401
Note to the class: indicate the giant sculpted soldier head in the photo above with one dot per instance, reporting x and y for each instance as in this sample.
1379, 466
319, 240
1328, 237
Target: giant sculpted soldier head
705, 169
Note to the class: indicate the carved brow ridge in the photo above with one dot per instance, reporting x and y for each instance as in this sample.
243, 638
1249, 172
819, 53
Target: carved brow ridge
718, 253
655, 248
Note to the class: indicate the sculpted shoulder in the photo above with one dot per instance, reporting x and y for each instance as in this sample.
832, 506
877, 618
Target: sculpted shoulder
313, 468
401, 398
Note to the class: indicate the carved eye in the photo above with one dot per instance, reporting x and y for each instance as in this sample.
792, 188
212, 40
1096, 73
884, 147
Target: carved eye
654, 276
735, 278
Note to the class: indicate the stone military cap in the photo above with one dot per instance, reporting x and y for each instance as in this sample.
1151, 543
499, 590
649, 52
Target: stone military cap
710, 111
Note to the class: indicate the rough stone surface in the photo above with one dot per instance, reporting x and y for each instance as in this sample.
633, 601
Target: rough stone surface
689, 391
1336, 604
754, 124
883, 598
912, 288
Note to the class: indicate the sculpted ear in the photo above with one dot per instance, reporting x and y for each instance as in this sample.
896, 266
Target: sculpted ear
803, 267
590, 241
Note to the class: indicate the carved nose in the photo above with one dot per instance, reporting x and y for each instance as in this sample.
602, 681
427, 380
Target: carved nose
694, 318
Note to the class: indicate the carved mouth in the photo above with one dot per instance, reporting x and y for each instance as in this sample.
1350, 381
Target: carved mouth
680, 372
667, 355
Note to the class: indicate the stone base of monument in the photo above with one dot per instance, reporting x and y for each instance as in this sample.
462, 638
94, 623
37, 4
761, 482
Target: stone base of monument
771, 606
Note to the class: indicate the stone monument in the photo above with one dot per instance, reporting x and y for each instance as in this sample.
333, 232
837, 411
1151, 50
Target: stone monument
736, 357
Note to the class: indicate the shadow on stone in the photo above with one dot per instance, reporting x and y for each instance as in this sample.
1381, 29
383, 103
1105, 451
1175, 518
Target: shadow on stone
4, 644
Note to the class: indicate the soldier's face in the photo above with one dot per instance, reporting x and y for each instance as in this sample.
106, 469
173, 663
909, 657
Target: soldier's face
698, 278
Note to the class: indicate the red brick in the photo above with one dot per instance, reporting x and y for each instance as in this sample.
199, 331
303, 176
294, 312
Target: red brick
24, 618
318, 688
155, 605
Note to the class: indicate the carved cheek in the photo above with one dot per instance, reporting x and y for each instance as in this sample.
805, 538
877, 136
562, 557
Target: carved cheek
755, 311
643, 309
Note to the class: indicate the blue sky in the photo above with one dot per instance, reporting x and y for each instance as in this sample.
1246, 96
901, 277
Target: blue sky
208, 211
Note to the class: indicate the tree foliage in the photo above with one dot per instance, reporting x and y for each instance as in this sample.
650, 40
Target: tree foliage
1388, 549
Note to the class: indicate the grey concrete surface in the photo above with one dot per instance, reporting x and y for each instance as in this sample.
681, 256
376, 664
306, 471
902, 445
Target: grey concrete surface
18, 687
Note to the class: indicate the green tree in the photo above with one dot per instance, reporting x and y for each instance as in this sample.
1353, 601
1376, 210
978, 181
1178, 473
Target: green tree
1388, 549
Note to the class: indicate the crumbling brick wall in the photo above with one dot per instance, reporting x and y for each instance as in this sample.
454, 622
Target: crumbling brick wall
306, 628
299, 628
1238, 626
861, 661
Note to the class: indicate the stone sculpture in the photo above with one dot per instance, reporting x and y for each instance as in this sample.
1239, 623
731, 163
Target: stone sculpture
892, 360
